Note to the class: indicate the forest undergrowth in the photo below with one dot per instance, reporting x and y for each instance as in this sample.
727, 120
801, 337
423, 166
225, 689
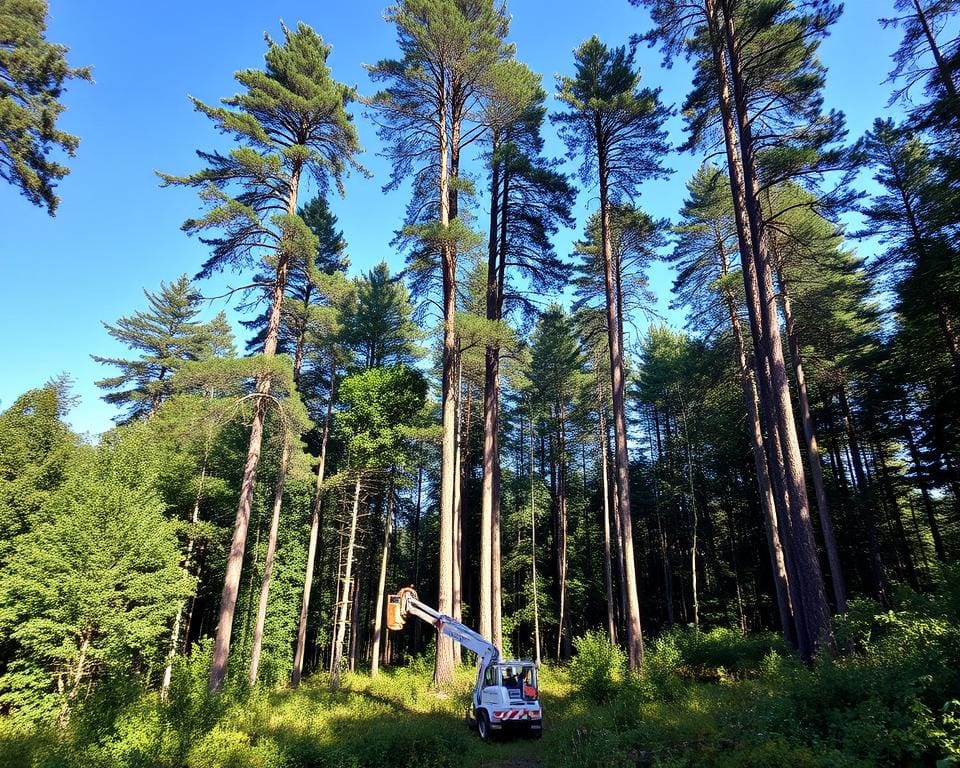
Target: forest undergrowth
712, 698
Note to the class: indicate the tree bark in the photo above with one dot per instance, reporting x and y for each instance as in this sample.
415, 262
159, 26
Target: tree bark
496, 591
490, 426
533, 551
617, 382
231, 583
604, 477
813, 451
315, 509
337, 655
382, 583
563, 632
444, 662
693, 513
268, 563
764, 490
816, 629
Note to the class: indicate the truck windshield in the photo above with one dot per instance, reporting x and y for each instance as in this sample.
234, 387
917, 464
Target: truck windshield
521, 677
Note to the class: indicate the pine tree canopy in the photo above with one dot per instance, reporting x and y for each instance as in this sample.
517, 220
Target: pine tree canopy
33, 75
167, 335
291, 119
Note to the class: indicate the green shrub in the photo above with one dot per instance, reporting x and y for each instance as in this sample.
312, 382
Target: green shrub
234, 749
597, 669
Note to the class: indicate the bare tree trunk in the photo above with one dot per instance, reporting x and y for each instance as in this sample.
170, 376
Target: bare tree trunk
765, 492
533, 551
298, 655
900, 533
563, 633
618, 541
382, 583
268, 563
490, 426
456, 596
496, 592
463, 455
693, 510
178, 623
813, 451
663, 544
444, 662
77, 678
813, 612
617, 381
604, 477
416, 547
355, 627
337, 654
238, 543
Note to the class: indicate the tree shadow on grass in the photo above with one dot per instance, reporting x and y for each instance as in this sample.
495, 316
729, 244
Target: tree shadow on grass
358, 727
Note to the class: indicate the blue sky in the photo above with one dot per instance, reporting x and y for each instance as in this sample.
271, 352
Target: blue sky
117, 232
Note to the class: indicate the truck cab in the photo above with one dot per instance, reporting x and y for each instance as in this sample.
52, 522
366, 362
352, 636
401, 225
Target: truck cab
507, 698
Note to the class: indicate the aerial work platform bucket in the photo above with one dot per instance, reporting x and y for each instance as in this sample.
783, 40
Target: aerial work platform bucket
394, 617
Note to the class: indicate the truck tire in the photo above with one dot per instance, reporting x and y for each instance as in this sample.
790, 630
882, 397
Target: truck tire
483, 725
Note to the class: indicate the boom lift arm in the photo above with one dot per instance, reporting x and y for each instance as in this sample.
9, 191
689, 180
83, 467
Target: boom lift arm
502, 697
406, 603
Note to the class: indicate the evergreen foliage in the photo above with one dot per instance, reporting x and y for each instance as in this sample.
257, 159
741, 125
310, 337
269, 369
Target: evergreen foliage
33, 76
776, 484
167, 335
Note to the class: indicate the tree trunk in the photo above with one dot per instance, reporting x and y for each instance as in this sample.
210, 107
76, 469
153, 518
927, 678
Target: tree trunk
693, 512
533, 551
664, 544
416, 547
315, 508
268, 563
764, 490
382, 583
444, 663
178, 623
496, 592
490, 426
813, 451
231, 583
604, 477
355, 626
943, 67
617, 382
812, 615
900, 532
563, 632
337, 655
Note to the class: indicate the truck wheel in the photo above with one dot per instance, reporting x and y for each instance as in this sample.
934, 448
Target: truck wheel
483, 725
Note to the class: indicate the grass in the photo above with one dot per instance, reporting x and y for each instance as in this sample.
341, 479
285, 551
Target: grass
706, 699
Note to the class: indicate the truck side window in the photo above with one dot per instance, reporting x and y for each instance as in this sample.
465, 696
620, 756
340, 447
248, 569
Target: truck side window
488, 676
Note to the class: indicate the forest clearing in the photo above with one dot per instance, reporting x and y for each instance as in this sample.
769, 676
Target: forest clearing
598, 369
